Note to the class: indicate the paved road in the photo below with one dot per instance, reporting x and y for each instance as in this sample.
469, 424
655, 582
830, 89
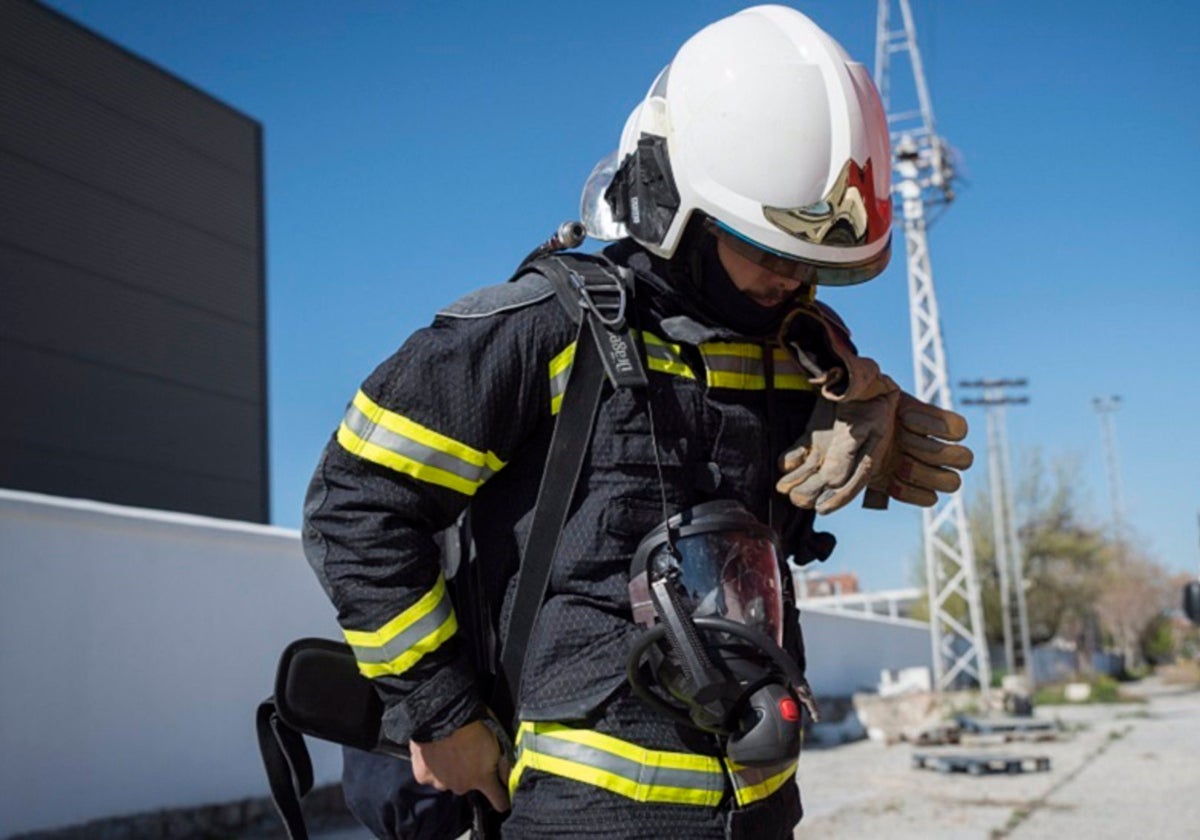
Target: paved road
1144, 783
1127, 771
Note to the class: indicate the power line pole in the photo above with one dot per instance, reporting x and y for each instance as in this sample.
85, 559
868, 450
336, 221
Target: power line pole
923, 168
1105, 408
1010, 563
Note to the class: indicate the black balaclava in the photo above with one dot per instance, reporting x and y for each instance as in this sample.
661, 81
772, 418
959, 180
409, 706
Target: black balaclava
726, 303
697, 284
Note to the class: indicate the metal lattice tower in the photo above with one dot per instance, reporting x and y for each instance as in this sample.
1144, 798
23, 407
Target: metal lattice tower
923, 170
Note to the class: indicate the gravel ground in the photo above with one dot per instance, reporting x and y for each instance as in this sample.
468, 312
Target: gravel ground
1123, 771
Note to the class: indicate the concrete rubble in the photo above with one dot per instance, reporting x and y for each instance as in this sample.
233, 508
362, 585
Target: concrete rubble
1126, 770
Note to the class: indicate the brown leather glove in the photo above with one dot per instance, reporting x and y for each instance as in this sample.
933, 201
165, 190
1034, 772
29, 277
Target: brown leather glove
865, 432
923, 456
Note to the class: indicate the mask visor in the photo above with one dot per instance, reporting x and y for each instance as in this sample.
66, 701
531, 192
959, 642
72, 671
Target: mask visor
729, 574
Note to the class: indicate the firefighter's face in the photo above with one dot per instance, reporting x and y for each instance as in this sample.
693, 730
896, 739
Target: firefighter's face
757, 282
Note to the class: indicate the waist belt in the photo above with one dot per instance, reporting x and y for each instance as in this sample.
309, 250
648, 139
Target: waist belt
638, 773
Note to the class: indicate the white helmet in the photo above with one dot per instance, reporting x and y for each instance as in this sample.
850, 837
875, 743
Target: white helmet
763, 124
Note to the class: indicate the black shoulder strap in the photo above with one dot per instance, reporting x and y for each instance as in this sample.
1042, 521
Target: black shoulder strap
595, 296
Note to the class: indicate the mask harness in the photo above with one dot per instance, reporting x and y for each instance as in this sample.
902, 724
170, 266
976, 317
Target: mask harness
706, 586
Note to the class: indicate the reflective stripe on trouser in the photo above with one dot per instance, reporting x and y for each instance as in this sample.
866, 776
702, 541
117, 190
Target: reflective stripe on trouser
403, 640
638, 773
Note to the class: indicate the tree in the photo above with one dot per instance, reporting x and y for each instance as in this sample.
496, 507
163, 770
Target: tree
1134, 595
1065, 556
1080, 585
1063, 560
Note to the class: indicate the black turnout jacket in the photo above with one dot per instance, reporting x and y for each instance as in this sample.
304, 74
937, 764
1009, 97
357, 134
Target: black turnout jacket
461, 415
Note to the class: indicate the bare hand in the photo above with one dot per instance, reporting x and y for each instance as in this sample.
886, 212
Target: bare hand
468, 759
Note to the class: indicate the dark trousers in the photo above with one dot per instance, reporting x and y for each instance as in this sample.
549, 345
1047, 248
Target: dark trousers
383, 795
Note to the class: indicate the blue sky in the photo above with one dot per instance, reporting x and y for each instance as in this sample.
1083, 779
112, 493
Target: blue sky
417, 150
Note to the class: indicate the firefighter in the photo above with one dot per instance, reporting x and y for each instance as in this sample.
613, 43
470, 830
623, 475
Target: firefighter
755, 169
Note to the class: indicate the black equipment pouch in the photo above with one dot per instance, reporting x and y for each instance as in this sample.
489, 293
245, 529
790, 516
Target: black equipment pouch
318, 692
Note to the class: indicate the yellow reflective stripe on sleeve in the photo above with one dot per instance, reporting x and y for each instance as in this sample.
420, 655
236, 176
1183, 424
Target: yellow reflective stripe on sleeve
412, 430
563, 360
398, 645
391, 440
410, 657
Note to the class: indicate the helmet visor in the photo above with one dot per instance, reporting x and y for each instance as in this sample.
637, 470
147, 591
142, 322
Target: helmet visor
821, 274
594, 210
733, 575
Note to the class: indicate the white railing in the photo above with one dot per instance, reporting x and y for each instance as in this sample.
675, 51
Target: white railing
885, 603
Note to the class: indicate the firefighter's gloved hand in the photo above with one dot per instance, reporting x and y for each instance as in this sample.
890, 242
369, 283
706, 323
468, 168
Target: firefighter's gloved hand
845, 445
892, 442
923, 458
864, 430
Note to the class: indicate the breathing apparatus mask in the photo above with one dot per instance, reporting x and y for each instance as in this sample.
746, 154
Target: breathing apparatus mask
706, 586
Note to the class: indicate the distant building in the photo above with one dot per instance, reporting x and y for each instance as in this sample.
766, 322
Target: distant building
132, 306
824, 585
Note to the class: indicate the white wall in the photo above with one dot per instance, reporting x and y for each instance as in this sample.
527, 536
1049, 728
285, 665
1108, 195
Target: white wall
847, 649
134, 647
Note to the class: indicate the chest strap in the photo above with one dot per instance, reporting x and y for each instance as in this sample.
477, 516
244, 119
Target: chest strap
595, 295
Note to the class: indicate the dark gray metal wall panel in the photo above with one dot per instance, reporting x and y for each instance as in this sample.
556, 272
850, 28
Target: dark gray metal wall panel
68, 312
72, 406
41, 40
132, 346
66, 132
102, 234
86, 476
